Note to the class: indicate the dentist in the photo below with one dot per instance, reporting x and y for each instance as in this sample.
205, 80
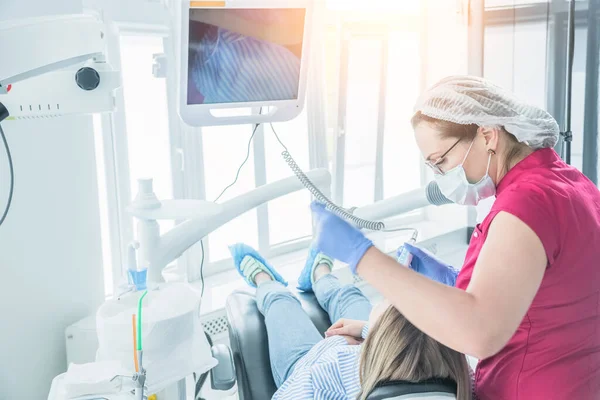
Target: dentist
526, 302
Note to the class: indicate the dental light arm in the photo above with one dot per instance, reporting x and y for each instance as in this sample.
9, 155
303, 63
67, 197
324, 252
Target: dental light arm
203, 217
157, 251
37, 55
54, 65
34, 46
403, 203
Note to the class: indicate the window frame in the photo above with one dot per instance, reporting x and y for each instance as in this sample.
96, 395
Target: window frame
351, 29
186, 150
317, 154
186, 143
115, 142
556, 13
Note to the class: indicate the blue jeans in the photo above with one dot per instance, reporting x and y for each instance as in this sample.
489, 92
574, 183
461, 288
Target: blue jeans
290, 330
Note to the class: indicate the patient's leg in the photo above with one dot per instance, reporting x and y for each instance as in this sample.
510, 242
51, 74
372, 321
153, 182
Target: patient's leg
290, 331
340, 301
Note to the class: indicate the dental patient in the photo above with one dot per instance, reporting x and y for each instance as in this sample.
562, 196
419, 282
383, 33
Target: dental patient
367, 347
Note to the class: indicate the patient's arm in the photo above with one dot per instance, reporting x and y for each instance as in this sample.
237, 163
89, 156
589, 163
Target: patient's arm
287, 33
347, 327
352, 340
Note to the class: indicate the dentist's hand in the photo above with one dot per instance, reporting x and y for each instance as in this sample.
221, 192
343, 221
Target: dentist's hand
338, 239
427, 264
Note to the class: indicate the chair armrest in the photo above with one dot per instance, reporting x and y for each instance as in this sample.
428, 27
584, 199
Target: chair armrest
222, 377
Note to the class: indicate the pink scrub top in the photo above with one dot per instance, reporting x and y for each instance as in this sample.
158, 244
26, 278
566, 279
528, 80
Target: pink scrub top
555, 352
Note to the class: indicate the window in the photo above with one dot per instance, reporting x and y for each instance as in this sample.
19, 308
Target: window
524, 42
598, 114
289, 216
144, 140
578, 97
132, 143
510, 3
385, 70
286, 219
362, 117
401, 157
225, 147
377, 156
107, 263
515, 57
526, 32
406, 7
146, 116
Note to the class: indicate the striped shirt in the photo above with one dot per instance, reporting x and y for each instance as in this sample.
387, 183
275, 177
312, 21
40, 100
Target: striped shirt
329, 371
228, 67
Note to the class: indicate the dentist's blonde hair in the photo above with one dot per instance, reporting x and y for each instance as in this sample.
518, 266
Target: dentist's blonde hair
396, 350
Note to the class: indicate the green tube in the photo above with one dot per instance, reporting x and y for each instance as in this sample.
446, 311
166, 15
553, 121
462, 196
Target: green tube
139, 321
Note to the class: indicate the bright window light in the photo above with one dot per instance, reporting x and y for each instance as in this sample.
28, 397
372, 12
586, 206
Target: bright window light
402, 6
146, 116
224, 149
362, 113
103, 204
289, 216
510, 3
401, 156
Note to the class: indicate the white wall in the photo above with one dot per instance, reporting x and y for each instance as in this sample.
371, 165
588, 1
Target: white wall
50, 249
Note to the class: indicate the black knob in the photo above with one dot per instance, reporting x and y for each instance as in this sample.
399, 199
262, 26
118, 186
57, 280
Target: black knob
3, 112
87, 78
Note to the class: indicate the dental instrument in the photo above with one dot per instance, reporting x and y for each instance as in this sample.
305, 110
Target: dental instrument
134, 329
412, 200
404, 256
139, 378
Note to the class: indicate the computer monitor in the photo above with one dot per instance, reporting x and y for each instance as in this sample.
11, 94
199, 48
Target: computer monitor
243, 54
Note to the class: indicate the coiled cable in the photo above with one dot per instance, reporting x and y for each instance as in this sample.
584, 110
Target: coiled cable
320, 196
331, 206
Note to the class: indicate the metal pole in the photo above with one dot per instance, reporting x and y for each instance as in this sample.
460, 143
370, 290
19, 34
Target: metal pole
383, 82
475, 50
567, 134
590, 120
476, 35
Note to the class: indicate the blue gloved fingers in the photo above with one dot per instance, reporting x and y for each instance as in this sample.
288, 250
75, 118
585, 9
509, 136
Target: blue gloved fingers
451, 276
418, 251
337, 238
415, 264
317, 207
429, 265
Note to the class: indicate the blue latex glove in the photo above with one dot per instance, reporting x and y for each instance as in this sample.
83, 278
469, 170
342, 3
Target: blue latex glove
337, 238
427, 264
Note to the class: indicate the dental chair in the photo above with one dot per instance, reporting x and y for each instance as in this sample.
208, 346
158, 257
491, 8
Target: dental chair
249, 345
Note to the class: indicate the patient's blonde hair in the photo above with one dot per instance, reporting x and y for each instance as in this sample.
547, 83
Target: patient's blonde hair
396, 350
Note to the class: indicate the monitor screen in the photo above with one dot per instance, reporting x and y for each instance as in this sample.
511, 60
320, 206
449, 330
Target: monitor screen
241, 55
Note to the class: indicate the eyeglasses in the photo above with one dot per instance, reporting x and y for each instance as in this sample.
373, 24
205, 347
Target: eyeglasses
435, 165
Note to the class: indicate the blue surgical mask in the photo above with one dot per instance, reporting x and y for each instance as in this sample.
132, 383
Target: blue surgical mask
456, 187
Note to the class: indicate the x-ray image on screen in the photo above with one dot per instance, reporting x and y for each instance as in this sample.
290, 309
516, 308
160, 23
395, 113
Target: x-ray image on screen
244, 55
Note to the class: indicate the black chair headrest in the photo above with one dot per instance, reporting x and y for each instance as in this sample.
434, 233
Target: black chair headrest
392, 389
